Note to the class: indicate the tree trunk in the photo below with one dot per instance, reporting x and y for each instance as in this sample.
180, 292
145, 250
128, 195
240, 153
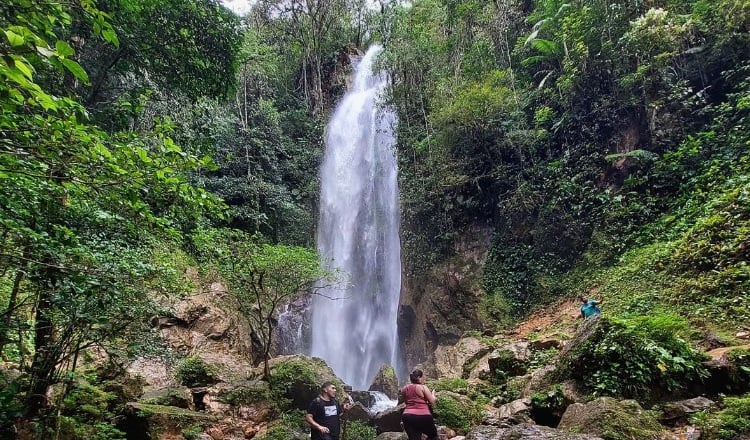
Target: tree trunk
45, 358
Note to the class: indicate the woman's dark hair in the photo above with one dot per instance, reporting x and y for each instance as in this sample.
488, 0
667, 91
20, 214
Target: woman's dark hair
415, 375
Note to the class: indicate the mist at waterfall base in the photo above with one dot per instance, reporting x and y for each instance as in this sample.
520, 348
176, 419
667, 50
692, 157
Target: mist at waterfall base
355, 333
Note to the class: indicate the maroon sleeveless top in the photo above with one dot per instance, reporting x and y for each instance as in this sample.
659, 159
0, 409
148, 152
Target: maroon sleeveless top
414, 404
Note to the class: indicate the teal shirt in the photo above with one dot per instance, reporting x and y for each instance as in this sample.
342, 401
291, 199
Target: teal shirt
591, 308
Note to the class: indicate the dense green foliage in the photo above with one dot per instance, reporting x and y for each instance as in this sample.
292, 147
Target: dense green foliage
649, 348
192, 371
604, 144
577, 131
730, 423
460, 415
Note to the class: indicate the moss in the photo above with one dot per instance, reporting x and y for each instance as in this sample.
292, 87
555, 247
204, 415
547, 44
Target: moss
457, 412
247, 395
192, 371
296, 381
613, 420
730, 423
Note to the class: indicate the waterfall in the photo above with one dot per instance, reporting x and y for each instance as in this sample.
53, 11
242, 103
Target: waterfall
358, 234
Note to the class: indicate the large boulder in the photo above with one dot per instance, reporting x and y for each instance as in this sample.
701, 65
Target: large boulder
457, 361
607, 415
524, 431
359, 413
510, 360
298, 378
389, 420
248, 400
158, 421
178, 397
572, 352
439, 303
386, 382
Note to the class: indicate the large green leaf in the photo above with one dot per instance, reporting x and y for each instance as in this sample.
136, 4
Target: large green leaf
14, 39
76, 69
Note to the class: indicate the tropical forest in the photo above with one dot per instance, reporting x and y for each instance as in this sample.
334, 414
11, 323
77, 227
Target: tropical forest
211, 210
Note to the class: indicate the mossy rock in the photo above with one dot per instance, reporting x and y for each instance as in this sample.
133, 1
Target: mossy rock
457, 411
386, 382
153, 421
177, 397
246, 392
612, 420
297, 380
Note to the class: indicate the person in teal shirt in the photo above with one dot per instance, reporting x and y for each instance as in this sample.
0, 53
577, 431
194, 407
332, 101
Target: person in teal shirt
590, 307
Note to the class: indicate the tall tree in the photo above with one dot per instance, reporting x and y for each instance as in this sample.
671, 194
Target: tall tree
79, 205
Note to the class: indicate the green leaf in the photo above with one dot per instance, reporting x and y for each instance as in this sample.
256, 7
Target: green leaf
76, 69
63, 48
14, 39
45, 51
22, 66
111, 36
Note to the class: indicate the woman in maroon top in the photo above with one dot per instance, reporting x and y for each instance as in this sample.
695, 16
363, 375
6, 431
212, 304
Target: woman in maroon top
417, 417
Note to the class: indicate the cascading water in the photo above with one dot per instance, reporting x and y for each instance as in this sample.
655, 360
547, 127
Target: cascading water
358, 234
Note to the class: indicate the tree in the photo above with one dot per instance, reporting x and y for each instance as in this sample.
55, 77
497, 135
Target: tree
315, 30
80, 207
261, 277
175, 47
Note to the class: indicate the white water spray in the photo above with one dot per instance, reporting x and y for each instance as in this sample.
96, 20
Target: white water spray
358, 233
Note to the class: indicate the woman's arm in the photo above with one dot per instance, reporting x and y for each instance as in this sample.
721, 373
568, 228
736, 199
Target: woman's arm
428, 395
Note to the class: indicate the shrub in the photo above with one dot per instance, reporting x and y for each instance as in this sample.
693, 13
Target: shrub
727, 424
740, 373
290, 427
11, 406
647, 347
86, 414
356, 430
456, 414
449, 384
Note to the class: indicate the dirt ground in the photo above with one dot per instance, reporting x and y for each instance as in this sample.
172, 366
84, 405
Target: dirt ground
559, 317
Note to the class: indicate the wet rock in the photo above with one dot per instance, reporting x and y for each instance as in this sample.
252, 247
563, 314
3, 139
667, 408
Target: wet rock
389, 420
386, 382
363, 397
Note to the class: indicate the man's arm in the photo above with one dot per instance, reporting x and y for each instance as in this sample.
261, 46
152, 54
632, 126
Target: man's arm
315, 425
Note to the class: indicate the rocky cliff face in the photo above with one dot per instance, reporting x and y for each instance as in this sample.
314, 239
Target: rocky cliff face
437, 307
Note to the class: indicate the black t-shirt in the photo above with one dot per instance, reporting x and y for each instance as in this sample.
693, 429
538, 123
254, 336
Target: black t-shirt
325, 413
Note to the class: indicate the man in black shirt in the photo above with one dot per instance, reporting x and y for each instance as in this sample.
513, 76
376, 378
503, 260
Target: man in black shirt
324, 413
